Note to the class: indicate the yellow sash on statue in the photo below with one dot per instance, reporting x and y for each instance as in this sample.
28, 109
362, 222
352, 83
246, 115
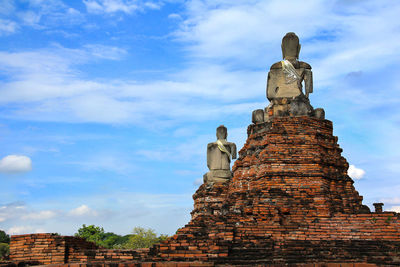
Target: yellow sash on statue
290, 71
223, 148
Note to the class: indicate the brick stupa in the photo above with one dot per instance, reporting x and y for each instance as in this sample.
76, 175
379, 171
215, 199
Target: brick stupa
289, 201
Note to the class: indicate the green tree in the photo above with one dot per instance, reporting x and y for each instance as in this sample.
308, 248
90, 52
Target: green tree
143, 238
92, 233
4, 238
97, 235
4, 251
112, 240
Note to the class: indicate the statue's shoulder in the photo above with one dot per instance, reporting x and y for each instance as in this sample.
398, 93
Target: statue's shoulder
230, 144
277, 65
212, 144
304, 65
300, 64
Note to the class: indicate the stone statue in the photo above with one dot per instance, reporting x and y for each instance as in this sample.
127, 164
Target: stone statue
285, 85
219, 156
285, 77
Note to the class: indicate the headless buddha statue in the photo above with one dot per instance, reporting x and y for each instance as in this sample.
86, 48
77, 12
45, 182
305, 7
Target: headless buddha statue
285, 85
219, 156
285, 77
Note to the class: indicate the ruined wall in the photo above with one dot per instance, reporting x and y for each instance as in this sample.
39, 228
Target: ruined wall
38, 248
55, 249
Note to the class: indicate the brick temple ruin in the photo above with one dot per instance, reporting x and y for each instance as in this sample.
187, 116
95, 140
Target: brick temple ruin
287, 201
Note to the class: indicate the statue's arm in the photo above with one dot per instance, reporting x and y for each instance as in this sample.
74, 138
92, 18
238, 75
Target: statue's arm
209, 156
268, 84
308, 81
233, 150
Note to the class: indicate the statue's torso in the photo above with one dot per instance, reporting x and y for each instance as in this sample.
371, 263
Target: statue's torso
216, 159
277, 85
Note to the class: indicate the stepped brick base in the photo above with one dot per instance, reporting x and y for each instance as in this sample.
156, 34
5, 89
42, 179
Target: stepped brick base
290, 201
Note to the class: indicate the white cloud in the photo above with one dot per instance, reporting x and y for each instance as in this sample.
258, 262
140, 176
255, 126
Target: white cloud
30, 17
105, 52
174, 16
355, 173
152, 5
83, 210
25, 229
15, 164
115, 6
248, 33
19, 230
394, 200
395, 209
6, 7
102, 161
198, 181
42, 215
110, 6
51, 89
163, 212
7, 26
43, 15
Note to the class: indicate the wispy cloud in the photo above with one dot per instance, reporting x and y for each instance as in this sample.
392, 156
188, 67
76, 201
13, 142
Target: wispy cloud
7, 7
49, 14
113, 162
42, 215
113, 211
18, 230
51, 88
105, 52
12, 210
83, 210
114, 6
7, 26
395, 208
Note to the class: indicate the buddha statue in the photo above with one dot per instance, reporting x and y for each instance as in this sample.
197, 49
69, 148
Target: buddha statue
219, 155
285, 85
285, 77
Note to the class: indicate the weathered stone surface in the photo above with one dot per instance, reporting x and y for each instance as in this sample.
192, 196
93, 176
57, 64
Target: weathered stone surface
219, 156
285, 84
257, 116
378, 207
285, 78
319, 113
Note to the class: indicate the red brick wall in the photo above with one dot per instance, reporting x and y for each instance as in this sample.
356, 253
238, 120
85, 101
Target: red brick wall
55, 249
37, 248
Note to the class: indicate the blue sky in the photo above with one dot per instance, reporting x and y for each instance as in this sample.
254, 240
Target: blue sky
107, 106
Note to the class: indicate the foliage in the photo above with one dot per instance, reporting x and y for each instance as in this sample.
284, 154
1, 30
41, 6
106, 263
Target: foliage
143, 238
112, 240
4, 238
91, 233
4, 251
162, 237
